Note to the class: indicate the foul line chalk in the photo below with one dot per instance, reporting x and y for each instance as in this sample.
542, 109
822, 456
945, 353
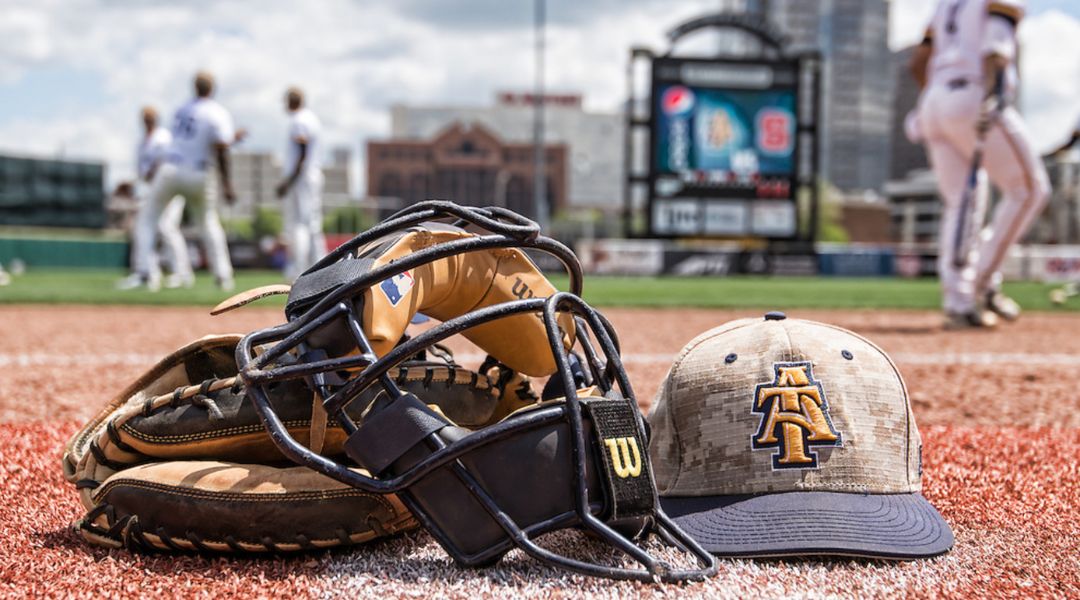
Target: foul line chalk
48, 359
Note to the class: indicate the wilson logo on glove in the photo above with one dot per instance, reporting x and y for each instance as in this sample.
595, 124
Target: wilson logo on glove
521, 290
794, 416
621, 449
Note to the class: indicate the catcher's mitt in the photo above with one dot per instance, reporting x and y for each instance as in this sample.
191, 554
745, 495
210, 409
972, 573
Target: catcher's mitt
180, 461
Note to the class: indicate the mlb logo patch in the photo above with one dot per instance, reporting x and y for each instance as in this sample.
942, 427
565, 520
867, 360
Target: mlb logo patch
397, 287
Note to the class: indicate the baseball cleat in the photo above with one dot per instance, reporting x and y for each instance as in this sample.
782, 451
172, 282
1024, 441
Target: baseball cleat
131, 282
175, 281
1002, 305
975, 319
1059, 295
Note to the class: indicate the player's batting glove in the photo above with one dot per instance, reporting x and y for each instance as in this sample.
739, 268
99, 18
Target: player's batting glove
990, 108
987, 115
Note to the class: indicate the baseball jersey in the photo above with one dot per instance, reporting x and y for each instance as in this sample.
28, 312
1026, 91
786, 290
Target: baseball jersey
197, 127
303, 124
964, 31
152, 150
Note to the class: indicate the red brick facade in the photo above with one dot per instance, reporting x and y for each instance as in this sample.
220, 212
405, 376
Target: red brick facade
467, 164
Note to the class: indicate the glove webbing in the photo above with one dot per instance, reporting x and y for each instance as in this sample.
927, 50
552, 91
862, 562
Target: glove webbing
198, 394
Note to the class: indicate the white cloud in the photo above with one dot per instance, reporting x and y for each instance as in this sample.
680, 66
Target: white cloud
1050, 76
357, 58
27, 40
354, 60
908, 20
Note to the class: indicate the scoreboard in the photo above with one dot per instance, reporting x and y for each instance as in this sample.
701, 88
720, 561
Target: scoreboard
724, 148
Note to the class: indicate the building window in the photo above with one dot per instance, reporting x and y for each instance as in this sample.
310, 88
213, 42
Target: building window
390, 186
418, 188
518, 196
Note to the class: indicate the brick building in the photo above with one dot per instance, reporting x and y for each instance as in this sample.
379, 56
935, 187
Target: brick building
465, 163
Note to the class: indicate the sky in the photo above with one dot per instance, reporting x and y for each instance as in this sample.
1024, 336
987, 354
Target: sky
74, 73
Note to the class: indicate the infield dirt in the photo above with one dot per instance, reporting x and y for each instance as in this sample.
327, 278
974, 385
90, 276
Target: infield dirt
998, 411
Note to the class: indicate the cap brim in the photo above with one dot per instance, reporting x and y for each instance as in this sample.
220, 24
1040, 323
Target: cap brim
892, 526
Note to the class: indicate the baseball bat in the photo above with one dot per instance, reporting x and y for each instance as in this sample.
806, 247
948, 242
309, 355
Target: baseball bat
962, 238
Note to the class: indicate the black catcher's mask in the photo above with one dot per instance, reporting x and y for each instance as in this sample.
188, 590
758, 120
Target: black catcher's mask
577, 458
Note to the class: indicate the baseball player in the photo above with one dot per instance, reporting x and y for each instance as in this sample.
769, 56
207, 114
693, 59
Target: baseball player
964, 62
4, 277
149, 154
302, 187
202, 132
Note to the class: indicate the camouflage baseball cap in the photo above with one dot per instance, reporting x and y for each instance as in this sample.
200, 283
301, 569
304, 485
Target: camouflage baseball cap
777, 436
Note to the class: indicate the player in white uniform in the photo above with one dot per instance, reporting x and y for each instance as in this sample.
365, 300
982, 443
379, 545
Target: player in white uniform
967, 45
302, 187
202, 132
149, 154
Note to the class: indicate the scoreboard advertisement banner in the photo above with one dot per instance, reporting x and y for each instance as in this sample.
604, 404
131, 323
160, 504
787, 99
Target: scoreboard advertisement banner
724, 149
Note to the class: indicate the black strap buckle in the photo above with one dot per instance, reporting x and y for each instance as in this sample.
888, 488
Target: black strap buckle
388, 434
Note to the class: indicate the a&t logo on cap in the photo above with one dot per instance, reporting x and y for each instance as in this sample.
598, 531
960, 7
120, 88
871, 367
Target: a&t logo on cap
794, 417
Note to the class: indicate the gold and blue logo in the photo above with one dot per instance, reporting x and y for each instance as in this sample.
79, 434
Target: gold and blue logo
794, 417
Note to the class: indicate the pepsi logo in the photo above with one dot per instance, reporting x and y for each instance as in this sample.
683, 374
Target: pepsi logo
677, 99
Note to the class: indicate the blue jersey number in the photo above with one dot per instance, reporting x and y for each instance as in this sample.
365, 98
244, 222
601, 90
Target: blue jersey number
183, 126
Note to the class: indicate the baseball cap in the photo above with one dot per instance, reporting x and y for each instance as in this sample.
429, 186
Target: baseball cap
783, 437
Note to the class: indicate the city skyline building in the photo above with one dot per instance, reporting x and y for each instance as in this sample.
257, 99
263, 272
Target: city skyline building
858, 83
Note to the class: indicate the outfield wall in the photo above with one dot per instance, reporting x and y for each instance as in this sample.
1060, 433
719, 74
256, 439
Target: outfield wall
1049, 263
44, 250
633, 257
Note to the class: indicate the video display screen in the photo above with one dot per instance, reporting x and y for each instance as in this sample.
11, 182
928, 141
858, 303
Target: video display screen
725, 148
725, 139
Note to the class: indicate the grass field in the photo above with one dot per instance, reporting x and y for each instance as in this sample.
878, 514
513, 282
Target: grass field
71, 286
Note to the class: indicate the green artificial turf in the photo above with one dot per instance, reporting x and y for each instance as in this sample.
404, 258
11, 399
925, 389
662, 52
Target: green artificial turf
98, 286
89, 286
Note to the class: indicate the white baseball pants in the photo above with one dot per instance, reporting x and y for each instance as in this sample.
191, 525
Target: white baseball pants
948, 116
199, 189
302, 220
150, 220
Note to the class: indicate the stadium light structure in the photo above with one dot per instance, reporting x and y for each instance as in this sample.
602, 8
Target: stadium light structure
539, 179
